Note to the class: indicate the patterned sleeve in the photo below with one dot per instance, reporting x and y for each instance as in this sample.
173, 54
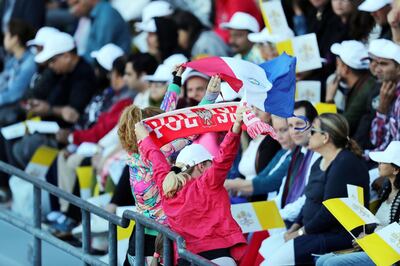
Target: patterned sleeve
379, 129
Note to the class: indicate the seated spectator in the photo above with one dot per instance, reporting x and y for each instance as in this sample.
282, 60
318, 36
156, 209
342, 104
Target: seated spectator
316, 230
266, 41
195, 188
194, 88
68, 98
239, 26
196, 39
291, 197
136, 68
224, 10
270, 178
260, 151
107, 25
355, 25
385, 126
19, 66
158, 83
388, 211
379, 11
162, 38
352, 69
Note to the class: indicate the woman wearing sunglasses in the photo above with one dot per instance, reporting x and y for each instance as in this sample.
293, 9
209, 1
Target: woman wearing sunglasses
316, 231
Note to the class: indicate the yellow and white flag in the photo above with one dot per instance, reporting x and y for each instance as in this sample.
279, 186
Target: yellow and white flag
86, 180
257, 216
274, 16
22, 191
323, 108
305, 48
350, 213
356, 193
123, 234
383, 246
308, 90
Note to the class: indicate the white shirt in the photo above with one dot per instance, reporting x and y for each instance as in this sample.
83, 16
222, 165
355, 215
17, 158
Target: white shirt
292, 210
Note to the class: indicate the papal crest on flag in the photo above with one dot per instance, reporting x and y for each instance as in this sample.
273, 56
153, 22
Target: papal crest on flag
269, 86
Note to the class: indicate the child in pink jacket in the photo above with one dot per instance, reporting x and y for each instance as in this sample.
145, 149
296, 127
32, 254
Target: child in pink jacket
193, 194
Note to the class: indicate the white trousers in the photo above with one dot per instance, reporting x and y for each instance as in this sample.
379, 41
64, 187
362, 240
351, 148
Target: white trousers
276, 251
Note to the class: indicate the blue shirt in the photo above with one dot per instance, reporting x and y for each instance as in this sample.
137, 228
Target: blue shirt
270, 179
16, 76
107, 26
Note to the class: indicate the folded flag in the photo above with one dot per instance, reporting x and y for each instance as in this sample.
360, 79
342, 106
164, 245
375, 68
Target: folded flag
383, 246
274, 79
350, 213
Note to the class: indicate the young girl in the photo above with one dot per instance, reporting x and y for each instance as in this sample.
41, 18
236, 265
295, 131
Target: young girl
193, 195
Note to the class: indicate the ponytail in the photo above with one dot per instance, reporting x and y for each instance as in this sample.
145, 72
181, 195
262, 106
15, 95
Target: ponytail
353, 146
176, 179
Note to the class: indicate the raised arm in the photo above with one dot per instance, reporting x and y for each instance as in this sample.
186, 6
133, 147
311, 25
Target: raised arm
149, 151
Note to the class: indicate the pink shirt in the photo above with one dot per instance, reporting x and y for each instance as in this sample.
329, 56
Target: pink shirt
201, 211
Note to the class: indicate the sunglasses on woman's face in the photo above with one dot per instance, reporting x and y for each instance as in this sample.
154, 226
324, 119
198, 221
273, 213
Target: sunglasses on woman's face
316, 130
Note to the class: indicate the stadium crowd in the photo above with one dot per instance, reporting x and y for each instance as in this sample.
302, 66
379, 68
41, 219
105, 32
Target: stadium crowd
98, 68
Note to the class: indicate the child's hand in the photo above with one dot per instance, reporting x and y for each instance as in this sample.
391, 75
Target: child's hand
239, 118
178, 70
214, 85
141, 131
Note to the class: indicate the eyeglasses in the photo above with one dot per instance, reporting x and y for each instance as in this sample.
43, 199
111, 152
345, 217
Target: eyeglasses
316, 130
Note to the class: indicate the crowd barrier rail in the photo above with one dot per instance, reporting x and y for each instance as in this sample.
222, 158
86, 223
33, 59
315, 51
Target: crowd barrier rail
141, 222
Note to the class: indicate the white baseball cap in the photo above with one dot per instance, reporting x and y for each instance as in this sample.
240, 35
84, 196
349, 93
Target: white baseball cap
373, 5
385, 49
152, 10
59, 43
390, 155
42, 35
193, 73
148, 26
175, 59
193, 154
107, 54
265, 36
241, 21
162, 74
352, 53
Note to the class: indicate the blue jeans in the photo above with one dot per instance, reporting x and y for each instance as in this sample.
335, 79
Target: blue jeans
355, 258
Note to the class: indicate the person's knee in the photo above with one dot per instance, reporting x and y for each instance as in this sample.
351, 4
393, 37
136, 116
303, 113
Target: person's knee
324, 260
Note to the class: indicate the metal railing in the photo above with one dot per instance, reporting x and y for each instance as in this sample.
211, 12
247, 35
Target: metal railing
141, 222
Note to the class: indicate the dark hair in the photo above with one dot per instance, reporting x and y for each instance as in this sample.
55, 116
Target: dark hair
360, 25
187, 21
143, 63
338, 129
102, 79
311, 112
167, 34
22, 30
119, 65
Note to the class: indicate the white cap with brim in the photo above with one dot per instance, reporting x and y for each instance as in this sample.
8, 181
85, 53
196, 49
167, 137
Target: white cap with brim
43, 34
156, 9
385, 49
193, 73
352, 53
59, 43
162, 74
228, 94
107, 54
390, 155
373, 5
147, 26
265, 36
193, 154
241, 21
175, 59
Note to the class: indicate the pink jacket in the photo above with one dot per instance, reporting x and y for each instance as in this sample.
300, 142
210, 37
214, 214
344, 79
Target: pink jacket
201, 210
